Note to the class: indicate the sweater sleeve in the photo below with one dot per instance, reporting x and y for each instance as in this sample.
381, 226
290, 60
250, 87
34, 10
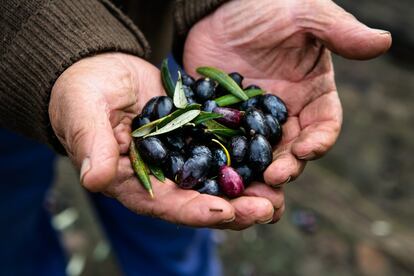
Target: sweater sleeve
186, 14
39, 40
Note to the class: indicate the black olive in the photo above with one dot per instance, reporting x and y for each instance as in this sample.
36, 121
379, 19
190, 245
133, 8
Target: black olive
237, 78
273, 105
219, 159
252, 86
189, 93
149, 107
254, 122
191, 100
246, 173
209, 105
153, 150
209, 187
231, 116
199, 151
195, 169
174, 164
204, 89
275, 131
174, 141
139, 121
252, 102
187, 80
238, 148
163, 107
259, 153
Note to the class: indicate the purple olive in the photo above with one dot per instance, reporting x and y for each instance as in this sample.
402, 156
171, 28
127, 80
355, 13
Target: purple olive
231, 183
139, 121
209, 105
231, 117
174, 164
174, 141
254, 122
275, 131
273, 105
238, 148
209, 187
259, 153
153, 150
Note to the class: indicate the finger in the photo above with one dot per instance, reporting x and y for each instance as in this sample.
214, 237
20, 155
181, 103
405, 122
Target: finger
91, 143
342, 33
275, 196
278, 214
321, 122
171, 203
285, 165
249, 210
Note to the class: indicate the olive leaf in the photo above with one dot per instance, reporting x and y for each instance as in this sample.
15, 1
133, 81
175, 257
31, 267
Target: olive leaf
140, 168
206, 116
180, 100
146, 129
221, 130
176, 123
226, 152
230, 99
157, 172
224, 80
167, 79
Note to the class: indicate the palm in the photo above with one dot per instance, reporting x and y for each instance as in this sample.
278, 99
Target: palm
298, 69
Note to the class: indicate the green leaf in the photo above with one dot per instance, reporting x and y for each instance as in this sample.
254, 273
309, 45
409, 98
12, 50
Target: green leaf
180, 100
230, 99
224, 80
176, 123
177, 113
167, 79
140, 168
206, 116
146, 129
157, 172
218, 129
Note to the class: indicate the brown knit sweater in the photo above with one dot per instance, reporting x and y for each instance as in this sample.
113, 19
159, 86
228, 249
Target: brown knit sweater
41, 38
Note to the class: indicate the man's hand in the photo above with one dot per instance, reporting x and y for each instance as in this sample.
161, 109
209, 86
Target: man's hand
91, 109
282, 46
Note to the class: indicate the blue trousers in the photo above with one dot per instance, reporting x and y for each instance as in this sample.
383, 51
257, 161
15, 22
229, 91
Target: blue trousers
30, 246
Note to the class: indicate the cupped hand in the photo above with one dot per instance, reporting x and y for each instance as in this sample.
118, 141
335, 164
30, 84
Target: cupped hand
284, 47
91, 109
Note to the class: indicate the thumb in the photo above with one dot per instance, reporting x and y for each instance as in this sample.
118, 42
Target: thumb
343, 34
92, 143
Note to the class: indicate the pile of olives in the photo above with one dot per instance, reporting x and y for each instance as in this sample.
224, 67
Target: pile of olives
198, 159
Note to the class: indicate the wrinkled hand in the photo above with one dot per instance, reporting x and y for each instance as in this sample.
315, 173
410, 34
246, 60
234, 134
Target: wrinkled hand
91, 109
282, 46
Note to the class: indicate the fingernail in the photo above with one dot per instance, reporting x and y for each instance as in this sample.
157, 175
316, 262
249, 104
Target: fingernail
277, 186
85, 168
266, 221
382, 32
229, 220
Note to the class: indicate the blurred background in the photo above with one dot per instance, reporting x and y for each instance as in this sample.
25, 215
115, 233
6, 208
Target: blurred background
350, 213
